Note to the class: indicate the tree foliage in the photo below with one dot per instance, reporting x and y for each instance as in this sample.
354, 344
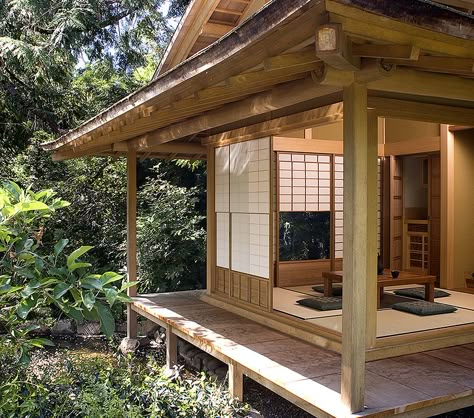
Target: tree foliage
32, 279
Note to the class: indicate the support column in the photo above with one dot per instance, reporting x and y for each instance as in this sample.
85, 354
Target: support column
447, 208
131, 238
211, 220
171, 348
372, 205
236, 382
356, 244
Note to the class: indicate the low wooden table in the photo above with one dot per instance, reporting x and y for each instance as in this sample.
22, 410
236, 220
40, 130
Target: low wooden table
386, 279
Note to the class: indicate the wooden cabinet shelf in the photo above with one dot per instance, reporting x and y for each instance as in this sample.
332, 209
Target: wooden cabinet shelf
417, 238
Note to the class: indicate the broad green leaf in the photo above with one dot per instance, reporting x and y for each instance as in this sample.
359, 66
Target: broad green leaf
30, 289
75, 313
109, 277
91, 315
24, 308
13, 188
89, 299
90, 283
28, 206
76, 294
77, 253
6, 288
48, 281
60, 290
122, 297
60, 245
75, 266
126, 285
107, 322
111, 295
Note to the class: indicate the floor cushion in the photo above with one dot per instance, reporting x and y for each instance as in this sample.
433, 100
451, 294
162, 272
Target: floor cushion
322, 303
336, 289
424, 308
419, 293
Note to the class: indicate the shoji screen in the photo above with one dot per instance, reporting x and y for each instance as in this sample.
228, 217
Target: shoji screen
222, 188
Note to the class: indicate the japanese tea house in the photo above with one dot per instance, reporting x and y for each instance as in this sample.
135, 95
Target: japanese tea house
334, 130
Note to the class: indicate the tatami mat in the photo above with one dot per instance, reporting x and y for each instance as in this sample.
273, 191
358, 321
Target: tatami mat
391, 322
285, 301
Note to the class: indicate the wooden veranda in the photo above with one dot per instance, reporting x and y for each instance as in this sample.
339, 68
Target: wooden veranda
415, 385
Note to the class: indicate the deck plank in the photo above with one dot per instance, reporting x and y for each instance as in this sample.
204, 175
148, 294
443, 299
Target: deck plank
425, 374
457, 355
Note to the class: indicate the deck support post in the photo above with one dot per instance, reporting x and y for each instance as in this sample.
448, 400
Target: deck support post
131, 238
236, 382
171, 348
357, 241
211, 221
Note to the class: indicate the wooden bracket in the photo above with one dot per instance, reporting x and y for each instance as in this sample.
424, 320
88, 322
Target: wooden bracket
334, 48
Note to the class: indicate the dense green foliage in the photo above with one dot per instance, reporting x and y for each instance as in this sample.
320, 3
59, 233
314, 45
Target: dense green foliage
33, 280
58, 384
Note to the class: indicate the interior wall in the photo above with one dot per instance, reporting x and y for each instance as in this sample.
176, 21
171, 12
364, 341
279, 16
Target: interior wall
463, 205
330, 132
397, 130
415, 197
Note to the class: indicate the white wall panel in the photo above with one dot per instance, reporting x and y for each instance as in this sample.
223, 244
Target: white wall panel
223, 239
222, 179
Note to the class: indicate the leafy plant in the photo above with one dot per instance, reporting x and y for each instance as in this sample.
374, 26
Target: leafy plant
31, 281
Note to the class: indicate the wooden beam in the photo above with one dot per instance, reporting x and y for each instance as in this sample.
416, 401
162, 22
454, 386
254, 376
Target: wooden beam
216, 30
408, 81
334, 49
316, 117
413, 146
393, 51
424, 112
447, 279
451, 65
286, 144
290, 60
280, 97
356, 242
131, 238
171, 147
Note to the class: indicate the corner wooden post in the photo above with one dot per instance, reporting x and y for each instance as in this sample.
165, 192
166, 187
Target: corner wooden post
131, 238
372, 192
356, 244
171, 348
211, 220
447, 208
236, 382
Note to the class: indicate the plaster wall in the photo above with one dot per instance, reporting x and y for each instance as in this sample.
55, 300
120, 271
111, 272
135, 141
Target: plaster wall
397, 130
463, 205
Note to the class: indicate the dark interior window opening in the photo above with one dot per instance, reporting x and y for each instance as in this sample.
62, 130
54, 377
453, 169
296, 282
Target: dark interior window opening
305, 236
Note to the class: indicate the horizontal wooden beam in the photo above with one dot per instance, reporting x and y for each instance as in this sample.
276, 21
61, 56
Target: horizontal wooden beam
425, 112
286, 144
316, 117
452, 65
285, 95
290, 60
417, 146
170, 147
420, 83
401, 52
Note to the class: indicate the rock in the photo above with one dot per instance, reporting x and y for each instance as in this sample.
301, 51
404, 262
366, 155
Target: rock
89, 328
129, 345
214, 364
64, 327
159, 337
144, 341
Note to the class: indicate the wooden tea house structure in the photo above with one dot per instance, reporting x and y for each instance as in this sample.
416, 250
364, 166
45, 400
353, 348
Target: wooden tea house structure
334, 131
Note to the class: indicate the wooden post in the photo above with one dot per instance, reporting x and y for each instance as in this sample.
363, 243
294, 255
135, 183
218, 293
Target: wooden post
236, 382
131, 238
447, 208
211, 220
372, 206
171, 348
356, 243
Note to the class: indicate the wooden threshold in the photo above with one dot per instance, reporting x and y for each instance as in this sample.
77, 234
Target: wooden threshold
416, 385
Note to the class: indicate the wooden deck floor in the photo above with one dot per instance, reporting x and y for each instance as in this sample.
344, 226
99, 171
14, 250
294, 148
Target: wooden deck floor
415, 385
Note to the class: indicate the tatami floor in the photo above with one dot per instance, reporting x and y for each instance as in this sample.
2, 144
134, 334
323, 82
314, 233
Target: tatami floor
389, 322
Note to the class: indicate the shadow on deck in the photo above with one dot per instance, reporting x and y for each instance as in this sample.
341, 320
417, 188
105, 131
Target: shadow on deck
415, 385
